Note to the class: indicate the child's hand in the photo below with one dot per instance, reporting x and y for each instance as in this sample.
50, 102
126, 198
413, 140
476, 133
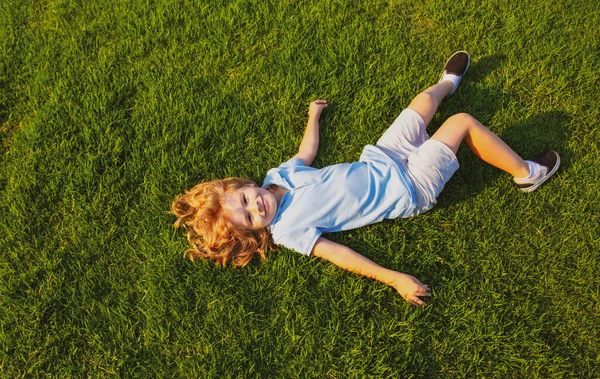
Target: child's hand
411, 288
316, 107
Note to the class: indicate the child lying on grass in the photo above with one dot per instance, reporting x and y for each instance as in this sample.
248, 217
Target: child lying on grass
400, 176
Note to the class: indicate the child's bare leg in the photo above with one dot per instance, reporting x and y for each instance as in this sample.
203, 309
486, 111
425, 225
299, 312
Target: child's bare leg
427, 102
528, 175
482, 142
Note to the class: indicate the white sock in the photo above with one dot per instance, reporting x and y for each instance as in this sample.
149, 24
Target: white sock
535, 171
455, 79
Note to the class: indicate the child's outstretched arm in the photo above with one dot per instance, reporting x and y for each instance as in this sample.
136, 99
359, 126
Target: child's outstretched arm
310, 142
407, 285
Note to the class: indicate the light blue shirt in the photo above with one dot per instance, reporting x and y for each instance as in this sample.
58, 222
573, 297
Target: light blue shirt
339, 197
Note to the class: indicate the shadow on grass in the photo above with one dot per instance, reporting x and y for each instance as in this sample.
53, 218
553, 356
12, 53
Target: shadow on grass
481, 103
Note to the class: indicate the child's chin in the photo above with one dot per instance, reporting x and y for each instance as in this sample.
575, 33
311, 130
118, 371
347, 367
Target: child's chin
270, 221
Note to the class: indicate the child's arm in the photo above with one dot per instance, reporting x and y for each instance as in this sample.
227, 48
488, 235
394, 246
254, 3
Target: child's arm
310, 142
408, 286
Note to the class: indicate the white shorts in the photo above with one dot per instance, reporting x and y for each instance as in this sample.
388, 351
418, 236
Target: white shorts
428, 163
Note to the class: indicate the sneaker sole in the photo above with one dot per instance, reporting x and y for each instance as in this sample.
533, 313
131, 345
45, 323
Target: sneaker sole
545, 178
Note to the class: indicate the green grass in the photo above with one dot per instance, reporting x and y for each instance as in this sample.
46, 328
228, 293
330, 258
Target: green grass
108, 109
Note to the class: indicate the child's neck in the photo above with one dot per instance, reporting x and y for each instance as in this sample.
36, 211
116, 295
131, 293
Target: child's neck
277, 191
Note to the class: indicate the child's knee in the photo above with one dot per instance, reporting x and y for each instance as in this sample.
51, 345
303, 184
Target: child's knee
425, 100
461, 120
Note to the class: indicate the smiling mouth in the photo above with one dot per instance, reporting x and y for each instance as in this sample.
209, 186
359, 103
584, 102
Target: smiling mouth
262, 199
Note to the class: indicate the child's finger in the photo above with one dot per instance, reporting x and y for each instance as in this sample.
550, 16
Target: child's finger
417, 302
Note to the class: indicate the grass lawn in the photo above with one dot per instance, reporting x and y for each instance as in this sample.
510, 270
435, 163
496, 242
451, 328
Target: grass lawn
108, 109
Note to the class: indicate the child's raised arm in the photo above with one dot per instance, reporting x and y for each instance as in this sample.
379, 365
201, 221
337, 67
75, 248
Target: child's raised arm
310, 142
407, 285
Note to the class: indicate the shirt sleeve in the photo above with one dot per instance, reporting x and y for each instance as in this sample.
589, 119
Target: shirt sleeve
293, 162
281, 175
301, 240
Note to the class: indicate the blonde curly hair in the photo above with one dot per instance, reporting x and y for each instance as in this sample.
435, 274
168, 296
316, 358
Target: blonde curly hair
209, 231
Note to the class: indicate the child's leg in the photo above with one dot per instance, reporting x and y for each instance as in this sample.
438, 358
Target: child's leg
427, 102
528, 175
482, 142
408, 132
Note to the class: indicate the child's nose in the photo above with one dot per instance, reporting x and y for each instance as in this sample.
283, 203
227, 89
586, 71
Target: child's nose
259, 206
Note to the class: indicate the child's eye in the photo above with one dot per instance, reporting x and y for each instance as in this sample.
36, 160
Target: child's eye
250, 218
244, 200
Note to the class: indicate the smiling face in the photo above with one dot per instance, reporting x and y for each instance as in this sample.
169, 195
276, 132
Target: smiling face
250, 207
